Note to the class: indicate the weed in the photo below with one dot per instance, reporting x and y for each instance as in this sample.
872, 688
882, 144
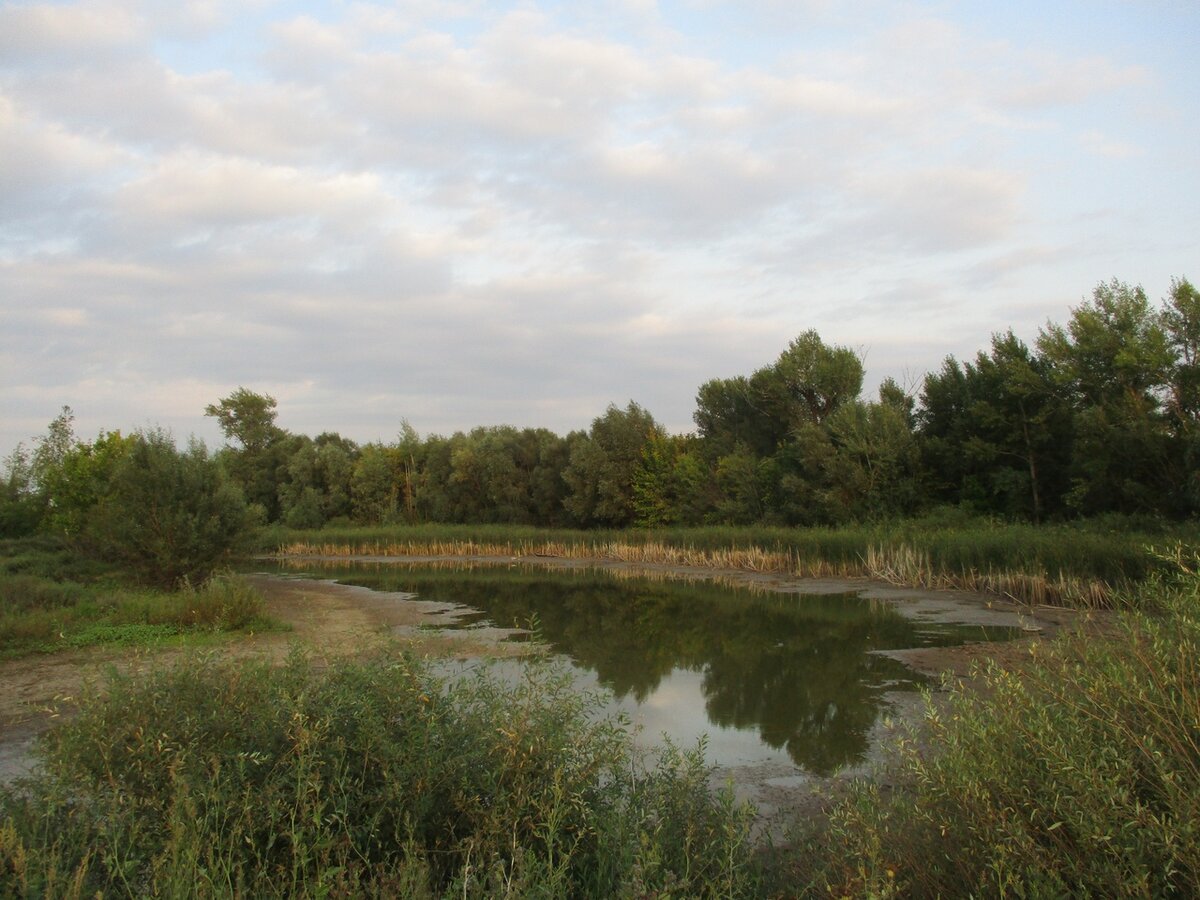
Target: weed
369, 778
1077, 776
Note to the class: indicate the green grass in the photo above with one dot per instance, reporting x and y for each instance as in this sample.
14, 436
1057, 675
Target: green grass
371, 778
44, 609
1082, 563
1077, 776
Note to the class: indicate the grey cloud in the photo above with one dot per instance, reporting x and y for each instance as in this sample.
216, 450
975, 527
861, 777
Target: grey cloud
517, 216
42, 34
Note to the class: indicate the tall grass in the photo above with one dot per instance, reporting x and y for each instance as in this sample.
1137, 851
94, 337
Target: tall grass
367, 779
40, 615
1077, 565
1077, 776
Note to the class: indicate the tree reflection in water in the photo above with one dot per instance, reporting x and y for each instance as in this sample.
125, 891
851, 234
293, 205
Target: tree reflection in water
797, 669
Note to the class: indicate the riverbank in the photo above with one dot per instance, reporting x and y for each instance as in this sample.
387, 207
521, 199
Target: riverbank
866, 833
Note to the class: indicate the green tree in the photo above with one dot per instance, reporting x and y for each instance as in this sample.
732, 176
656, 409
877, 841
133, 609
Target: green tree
375, 485
730, 415
318, 485
1114, 361
49, 453
258, 457
1181, 321
66, 476
247, 418
873, 470
655, 493
997, 433
805, 385
818, 378
742, 481
20, 509
167, 514
603, 463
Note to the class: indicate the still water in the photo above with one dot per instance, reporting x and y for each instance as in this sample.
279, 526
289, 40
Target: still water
767, 676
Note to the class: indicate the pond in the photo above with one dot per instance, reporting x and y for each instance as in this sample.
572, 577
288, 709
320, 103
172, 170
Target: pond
768, 674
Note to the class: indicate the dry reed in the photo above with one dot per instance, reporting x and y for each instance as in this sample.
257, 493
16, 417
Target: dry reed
899, 564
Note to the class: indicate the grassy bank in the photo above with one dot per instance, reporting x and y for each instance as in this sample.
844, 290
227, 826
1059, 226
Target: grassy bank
52, 599
1077, 776
1086, 564
367, 779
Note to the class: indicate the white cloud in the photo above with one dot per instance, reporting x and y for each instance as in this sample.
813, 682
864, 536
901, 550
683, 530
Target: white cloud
40, 33
472, 213
205, 190
1057, 82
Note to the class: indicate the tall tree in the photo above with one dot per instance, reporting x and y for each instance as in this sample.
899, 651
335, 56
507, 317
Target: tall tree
1181, 321
247, 418
730, 415
873, 471
1114, 360
20, 511
818, 378
258, 458
600, 474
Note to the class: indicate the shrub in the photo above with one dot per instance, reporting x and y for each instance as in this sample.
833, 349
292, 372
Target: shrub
370, 778
167, 514
1078, 776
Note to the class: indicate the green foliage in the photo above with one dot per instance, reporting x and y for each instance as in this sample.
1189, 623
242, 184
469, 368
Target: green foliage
258, 458
50, 599
1077, 776
75, 485
167, 514
1181, 322
375, 485
996, 433
1114, 360
20, 507
603, 464
248, 418
874, 470
817, 378
372, 779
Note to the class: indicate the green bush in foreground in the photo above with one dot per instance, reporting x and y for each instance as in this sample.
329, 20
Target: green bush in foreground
375, 778
1078, 776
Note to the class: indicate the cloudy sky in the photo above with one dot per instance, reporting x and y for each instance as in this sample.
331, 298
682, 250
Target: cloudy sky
470, 213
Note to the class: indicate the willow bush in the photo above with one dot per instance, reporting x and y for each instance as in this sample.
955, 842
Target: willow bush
375, 778
1078, 775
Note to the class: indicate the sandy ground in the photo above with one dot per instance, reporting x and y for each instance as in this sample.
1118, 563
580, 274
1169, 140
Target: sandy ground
332, 620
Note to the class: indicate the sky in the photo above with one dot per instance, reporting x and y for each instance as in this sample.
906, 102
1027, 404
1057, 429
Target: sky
463, 213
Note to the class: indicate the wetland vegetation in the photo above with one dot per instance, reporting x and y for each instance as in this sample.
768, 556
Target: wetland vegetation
1067, 472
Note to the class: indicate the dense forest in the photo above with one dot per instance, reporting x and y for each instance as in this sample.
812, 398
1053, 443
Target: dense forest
1100, 415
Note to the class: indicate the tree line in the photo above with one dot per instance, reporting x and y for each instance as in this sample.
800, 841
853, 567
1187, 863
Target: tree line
1098, 415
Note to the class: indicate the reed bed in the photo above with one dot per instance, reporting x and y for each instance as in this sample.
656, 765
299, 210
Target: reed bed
900, 564
908, 566
466, 565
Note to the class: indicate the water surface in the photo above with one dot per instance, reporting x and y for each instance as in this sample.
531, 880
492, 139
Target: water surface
767, 676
